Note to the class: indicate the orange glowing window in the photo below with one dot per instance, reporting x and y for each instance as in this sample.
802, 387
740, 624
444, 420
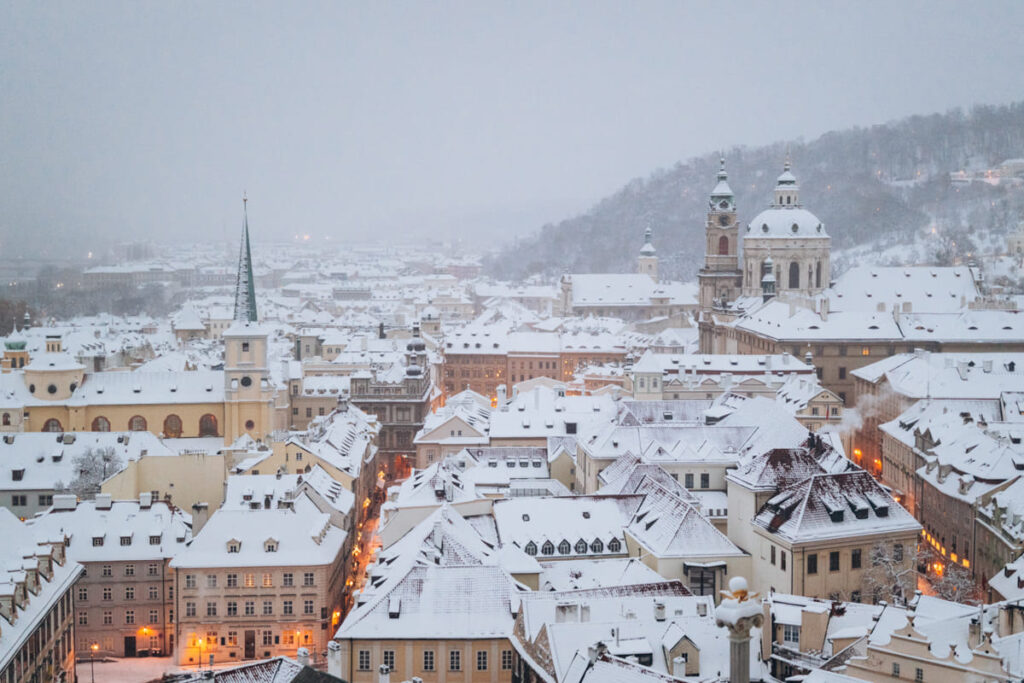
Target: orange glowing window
865, 351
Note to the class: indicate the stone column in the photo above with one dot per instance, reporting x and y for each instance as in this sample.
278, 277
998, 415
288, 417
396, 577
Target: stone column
739, 613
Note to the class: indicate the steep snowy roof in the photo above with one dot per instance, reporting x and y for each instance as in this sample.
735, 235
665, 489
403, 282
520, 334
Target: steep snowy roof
126, 530
834, 506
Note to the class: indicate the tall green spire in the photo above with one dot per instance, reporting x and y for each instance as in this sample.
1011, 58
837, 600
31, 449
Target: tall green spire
245, 288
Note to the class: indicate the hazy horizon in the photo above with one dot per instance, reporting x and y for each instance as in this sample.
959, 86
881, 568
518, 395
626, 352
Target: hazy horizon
149, 121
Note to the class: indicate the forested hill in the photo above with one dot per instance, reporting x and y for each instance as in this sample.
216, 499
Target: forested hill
882, 185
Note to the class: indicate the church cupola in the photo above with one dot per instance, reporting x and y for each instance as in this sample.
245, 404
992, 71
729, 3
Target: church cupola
722, 198
647, 263
787, 192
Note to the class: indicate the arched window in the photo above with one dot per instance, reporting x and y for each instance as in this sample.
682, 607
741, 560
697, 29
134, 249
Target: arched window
817, 275
789, 200
172, 426
564, 548
53, 425
100, 424
597, 546
614, 546
548, 548
581, 546
794, 275
7, 419
723, 246
208, 425
531, 548
137, 424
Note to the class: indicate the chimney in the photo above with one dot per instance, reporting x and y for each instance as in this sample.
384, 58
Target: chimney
302, 656
200, 516
104, 501
145, 500
659, 611
334, 658
502, 395
825, 303
384, 674
65, 501
986, 365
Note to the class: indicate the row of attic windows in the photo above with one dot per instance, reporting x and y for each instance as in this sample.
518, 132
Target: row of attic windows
564, 548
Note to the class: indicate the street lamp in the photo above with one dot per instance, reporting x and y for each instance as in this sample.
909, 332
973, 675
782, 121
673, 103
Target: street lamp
92, 660
200, 641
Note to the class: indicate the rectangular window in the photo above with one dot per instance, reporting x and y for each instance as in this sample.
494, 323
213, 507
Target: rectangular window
455, 660
897, 552
790, 634
211, 609
190, 580
250, 608
129, 616
481, 660
287, 579
129, 592
895, 669
268, 638
307, 606
833, 561
268, 607
153, 569
250, 580
129, 570
154, 593
190, 609
812, 563
211, 580
46, 499
364, 660
842, 373
107, 570
705, 481
919, 675
154, 616
108, 617
428, 660
389, 659
688, 481
855, 558
268, 581
782, 559
83, 618
286, 607
772, 560
506, 660
307, 579
232, 580
83, 594
232, 608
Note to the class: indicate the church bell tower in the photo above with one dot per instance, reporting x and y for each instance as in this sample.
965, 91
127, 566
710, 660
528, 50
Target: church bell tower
720, 279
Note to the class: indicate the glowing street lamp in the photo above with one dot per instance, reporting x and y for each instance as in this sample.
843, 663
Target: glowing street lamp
92, 660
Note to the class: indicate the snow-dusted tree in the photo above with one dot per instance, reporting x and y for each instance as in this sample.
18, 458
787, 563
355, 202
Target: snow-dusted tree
951, 581
91, 468
891, 574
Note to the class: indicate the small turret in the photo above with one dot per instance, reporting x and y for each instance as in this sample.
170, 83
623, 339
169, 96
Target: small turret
768, 279
647, 263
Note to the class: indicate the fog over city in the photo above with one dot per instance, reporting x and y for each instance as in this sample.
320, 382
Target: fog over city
478, 121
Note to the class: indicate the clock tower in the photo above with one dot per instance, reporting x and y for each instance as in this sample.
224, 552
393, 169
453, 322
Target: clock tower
720, 278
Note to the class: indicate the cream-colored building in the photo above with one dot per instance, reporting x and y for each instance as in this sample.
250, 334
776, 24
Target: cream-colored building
260, 583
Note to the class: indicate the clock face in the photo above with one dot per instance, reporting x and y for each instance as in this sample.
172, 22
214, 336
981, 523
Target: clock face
723, 204
723, 220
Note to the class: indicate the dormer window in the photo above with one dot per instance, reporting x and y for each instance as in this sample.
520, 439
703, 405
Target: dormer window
154, 540
234, 546
270, 545
97, 541
245, 347
531, 548
126, 540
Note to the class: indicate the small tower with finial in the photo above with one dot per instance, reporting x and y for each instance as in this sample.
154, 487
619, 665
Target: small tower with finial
647, 263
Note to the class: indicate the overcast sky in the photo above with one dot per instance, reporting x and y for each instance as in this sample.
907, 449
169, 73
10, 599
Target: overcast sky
369, 119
